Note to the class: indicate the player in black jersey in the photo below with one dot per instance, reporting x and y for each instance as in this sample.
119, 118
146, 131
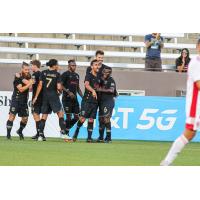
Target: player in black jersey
99, 57
19, 103
89, 103
36, 108
50, 84
107, 96
70, 83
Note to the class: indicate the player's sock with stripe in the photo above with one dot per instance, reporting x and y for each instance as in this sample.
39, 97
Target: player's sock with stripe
62, 125
79, 125
108, 131
175, 149
22, 126
101, 130
37, 127
9, 126
90, 130
42, 126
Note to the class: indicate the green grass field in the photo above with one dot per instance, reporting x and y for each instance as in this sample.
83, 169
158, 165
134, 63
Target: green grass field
55, 152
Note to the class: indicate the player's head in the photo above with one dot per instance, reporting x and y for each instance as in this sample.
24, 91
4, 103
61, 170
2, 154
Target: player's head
99, 56
25, 70
53, 64
35, 65
94, 65
198, 45
107, 73
72, 65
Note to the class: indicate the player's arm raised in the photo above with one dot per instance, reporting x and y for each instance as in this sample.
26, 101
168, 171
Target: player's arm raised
88, 87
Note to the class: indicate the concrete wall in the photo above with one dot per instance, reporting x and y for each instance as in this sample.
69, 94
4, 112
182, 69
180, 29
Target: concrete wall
154, 83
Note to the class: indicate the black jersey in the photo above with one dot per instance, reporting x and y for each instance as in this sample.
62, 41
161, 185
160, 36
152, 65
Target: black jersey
100, 72
36, 79
50, 79
70, 80
17, 95
94, 82
108, 84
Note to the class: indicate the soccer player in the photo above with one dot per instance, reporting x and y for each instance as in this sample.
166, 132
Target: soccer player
19, 102
50, 83
89, 104
70, 83
107, 102
192, 110
36, 108
99, 57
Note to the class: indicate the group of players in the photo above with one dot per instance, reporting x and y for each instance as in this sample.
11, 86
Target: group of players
49, 84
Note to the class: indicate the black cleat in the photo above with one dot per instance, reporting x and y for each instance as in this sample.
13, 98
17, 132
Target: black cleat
21, 136
108, 141
8, 137
100, 140
41, 137
90, 140
35, 137
74, 139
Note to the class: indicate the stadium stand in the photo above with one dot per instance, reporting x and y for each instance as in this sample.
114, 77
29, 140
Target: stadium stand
124, 52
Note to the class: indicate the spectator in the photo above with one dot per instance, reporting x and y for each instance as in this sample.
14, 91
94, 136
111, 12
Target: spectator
182, 62
154, 43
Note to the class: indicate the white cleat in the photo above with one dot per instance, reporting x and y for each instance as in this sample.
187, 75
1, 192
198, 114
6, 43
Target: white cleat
165, 163
67, 138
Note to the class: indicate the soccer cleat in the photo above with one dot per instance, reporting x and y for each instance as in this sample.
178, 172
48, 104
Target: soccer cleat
165, 163
35, 137
67, 138
90, 140
21, 136
100, 140
41, 137
8, 137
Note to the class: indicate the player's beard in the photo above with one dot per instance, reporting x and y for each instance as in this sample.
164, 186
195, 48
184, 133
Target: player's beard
26, 75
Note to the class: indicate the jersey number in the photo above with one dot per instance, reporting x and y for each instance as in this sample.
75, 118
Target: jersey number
49, 81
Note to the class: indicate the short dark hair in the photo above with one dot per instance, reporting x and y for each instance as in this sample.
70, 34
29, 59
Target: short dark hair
99, 52
71, 61
24, 64
36, 63
198, 41
52, 62
93, 61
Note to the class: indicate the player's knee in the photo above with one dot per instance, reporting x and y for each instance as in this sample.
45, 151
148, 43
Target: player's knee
107, 120
11, 117
91, 120
82, 119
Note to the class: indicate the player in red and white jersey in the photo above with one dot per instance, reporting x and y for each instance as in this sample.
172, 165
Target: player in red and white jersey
192, 110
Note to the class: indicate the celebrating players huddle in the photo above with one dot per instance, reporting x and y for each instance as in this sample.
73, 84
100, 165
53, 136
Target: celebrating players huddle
48, 85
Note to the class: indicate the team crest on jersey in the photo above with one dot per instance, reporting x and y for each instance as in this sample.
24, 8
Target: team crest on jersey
82, 112
13, 109
67, 108
105, 109
112, 84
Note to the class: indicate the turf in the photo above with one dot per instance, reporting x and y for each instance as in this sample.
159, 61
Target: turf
55, 152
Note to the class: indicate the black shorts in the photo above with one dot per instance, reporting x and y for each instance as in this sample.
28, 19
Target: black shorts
19, 108
89, 110
71, 107
106, 108
51, 104
36, 108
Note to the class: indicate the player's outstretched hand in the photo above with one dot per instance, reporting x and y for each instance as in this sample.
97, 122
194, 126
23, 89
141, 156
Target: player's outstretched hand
34, 100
